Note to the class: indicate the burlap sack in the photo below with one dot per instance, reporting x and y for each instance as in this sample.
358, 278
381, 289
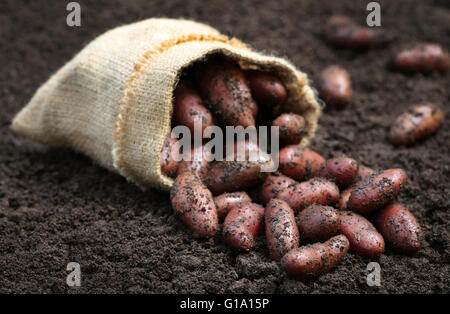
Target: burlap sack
113, 100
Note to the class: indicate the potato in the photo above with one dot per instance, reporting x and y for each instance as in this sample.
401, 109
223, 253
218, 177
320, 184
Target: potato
314, 259
335, 86
341, 170
376, 191
272, 186
415, 124
242, 224
315, 191
222, 84
199, 167
281, 230
364, 239
188, 108
169, 165
225, 202
300, 163
292, 128
318, 223
400, 229
266, 89
363, 173
422, 58
342, 31
231, 176
337, 247
194, 205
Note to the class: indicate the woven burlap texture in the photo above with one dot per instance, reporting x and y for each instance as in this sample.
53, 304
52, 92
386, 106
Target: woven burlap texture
113, 100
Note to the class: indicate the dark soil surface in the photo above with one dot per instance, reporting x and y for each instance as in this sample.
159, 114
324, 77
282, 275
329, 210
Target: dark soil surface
57, 206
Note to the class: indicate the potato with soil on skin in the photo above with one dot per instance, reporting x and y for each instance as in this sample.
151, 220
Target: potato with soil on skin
292, 128
317, 191
232, 176
281, 229
341, 170
169, 165
415, 124
188, 108
314, 259
342, 31
198, 163
272, 186
364, 239
266, 89
225, 202
335, 86
399, 228
422, 58
363, 173
242, 224
222, 85
194, 204
376, 191
299, 162
318, 223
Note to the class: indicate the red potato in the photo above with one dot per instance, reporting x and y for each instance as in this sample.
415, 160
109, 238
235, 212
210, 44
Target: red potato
232, 176
314, 259
225, 202
417, 123
266, 89
169, 165
281, 230
317, 191
363, 173
318, 223
364, 239
335, 86
242, 224
272, 186
342, 31
189, 108
342, 170
400, 228
199, 167
292, 128
422, 58
194, 205
222, 84
376, 191
299, 162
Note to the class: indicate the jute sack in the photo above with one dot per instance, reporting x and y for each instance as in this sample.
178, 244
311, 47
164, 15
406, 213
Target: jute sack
113, 100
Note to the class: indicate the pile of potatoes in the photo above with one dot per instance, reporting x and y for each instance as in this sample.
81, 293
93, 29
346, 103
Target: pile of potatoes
302, 204
312, 210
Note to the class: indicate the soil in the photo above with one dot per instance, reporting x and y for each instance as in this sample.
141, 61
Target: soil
57, 206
